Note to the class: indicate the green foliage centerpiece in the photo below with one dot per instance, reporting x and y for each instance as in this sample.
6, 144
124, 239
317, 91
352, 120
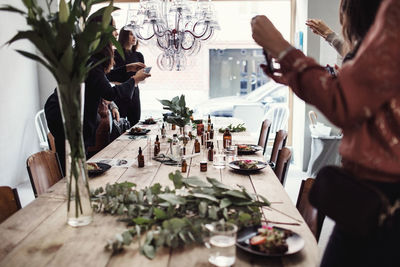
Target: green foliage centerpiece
66, 40
175, 217
180, 114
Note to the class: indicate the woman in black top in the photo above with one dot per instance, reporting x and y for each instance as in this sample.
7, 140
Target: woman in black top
97, 86
128, 107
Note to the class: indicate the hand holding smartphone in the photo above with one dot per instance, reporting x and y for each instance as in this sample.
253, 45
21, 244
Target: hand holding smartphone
147, 70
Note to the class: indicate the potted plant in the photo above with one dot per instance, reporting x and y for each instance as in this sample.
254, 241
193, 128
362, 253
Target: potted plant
179, 113
66, 39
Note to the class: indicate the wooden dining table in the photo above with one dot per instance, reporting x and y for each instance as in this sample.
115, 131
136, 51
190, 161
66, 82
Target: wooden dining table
38, 234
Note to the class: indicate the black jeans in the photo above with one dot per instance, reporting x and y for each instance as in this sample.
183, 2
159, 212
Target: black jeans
381, 249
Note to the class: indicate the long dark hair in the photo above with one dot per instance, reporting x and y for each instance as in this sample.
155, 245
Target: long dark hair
356, 17
123, 39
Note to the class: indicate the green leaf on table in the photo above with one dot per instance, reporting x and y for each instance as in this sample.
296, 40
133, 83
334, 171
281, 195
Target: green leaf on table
244, 217
205, 196
127, 238
156, 189
266, 201
149, 251
225, 202
218, 184
203, 206
172, 198
160, 214
174, 225
235, 193
176, 179
213, 212
142, 221
195, 182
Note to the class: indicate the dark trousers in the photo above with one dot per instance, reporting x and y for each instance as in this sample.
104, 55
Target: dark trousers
381, 249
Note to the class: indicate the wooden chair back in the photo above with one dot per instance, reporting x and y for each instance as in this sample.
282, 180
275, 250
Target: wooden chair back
51, 141
9, 202
102, 131
264, 134
44, 170
282, 164
311, 215
279, 142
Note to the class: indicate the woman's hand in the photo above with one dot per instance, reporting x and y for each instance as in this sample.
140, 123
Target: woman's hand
140, 76
134, 67
319, 27
115, 114
266, 35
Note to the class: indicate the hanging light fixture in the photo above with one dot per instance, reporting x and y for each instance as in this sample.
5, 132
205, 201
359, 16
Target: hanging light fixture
178, 28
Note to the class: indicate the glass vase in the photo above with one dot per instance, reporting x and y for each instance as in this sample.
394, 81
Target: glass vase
79, 209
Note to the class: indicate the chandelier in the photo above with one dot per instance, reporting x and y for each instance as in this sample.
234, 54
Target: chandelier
178, 27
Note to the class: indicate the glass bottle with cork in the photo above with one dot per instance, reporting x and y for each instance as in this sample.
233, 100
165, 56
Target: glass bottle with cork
211, 152
157, 146
140, 158
183, 166
227, 138
163, 131
196, 146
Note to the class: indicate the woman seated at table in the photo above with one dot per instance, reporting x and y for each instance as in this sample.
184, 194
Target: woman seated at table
128, 107
97, 86
364, 100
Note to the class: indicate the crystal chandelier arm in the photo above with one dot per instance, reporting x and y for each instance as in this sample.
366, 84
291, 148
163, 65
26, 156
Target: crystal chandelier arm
158, 32
137, 33
209, 35
198, 36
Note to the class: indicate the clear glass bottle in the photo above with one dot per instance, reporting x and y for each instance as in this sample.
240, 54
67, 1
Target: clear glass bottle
175, 148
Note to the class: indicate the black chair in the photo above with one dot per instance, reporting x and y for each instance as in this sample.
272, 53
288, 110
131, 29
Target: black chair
282, 164
279, 142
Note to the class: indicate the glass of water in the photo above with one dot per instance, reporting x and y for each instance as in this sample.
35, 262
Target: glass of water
222, 243
231, 153
219, 159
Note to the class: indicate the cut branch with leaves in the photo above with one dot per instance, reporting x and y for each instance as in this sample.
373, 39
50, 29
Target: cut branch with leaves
180, 113
175, 217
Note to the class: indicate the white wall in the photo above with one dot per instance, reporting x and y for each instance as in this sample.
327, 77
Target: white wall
20, 101
317, 48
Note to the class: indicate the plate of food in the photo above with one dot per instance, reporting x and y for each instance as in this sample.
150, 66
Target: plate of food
246, 149
149, 121
96, 168
269, 241
247, 165
138, 131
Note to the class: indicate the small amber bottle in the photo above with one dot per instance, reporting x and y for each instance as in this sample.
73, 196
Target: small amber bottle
227, 138
163, 131
173, 127
196, 146
203, 166
212, 131
183, 166
211, 152
156, 146
140, 158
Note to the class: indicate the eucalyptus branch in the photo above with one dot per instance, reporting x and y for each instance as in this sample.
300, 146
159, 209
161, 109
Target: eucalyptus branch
175, 217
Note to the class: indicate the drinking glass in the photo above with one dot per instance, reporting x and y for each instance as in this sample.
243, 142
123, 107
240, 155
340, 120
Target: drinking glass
219, 159
231, 153
222, 243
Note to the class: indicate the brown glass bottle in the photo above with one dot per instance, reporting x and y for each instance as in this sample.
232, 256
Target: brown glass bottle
209, 123
203, 166
140, 158
173, 127
211, 152
163, 131
227, 138
183, 166
156, 146
212, 131
196, 146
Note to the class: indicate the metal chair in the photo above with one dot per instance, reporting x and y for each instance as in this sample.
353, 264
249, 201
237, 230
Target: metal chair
264, 133
9, 202
44, 170
313, 217
278, 115
282, 164
42, 129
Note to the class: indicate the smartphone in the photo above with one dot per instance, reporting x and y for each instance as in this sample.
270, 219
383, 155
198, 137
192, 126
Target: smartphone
147, 70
